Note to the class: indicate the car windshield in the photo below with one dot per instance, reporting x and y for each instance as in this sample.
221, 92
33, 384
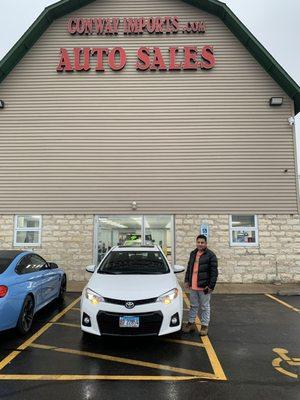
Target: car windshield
134, 262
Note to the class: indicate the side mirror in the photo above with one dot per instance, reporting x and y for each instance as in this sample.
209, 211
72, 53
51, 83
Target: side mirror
52, 265
178, 268
91, 268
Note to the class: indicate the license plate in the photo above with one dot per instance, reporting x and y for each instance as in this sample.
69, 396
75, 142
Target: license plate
129, 322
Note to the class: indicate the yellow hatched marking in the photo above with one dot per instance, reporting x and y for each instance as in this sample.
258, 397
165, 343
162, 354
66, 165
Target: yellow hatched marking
283, 303
96, 377
215, 363
29, 341
128, 361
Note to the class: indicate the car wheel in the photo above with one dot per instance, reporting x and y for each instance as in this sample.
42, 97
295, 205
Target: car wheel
62, 289
26, 315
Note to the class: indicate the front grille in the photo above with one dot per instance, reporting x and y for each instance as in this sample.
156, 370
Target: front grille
136, 302
150, 324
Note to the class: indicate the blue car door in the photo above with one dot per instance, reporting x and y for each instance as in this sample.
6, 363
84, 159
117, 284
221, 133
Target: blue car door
51, 279
31, 275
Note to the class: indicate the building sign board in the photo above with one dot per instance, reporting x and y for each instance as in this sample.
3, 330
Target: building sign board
147, 57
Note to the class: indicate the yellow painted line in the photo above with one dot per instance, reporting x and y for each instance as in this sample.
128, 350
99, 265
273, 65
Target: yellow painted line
199, 374
9, 358
215, 363
67, 324
64, 311
283, 303
96, 377
187, 342
179, 341
29, 341
76, 308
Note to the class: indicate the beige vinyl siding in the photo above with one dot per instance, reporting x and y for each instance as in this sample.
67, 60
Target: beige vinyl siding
175, 142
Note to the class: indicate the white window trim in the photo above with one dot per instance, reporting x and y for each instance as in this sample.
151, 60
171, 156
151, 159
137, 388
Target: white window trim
16, 230
246, 228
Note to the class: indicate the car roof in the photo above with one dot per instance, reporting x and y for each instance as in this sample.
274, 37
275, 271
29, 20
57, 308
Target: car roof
136, 248
10, 254
7, 257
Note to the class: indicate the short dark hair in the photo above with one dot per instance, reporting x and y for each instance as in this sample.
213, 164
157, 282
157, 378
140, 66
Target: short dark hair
201, 237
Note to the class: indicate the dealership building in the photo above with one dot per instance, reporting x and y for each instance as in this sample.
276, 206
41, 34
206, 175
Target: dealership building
149, 121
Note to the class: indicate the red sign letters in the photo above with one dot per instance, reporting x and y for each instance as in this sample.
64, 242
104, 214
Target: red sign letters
147, 58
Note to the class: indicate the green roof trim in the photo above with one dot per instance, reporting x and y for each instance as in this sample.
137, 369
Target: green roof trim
215, 7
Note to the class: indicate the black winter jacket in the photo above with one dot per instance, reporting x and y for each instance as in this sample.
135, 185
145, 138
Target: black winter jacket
207, 271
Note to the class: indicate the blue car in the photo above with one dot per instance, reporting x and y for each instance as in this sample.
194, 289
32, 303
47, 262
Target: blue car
27, 283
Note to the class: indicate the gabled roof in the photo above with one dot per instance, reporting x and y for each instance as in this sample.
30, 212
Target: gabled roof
214, 7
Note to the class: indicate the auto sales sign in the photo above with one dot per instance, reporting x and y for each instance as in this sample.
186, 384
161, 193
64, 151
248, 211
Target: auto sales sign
148, 58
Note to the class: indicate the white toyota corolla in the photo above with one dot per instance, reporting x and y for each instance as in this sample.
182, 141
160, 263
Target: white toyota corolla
132, 292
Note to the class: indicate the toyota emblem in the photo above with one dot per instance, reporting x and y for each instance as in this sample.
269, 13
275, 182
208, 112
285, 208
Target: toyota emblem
129, 304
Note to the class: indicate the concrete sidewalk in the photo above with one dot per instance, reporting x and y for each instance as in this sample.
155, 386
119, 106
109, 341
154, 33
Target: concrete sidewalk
285, 289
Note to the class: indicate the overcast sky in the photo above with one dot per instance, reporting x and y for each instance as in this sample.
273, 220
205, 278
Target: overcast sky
275, 23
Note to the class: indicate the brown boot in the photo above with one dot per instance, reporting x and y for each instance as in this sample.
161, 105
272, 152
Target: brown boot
204, 330
188, 327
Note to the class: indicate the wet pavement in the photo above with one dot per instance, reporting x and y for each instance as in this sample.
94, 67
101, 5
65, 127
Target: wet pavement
253, 352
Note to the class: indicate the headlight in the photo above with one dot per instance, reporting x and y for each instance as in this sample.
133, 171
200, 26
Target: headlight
168, 297
93, 297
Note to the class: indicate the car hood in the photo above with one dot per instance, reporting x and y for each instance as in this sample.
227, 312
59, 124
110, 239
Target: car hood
132, 287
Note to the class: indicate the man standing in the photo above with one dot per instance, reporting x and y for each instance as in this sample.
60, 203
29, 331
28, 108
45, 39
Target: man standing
200, 278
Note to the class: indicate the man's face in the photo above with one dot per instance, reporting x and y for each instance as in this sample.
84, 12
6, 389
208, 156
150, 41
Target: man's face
201, 244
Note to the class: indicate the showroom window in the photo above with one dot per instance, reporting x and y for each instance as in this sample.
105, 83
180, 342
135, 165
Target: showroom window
130, 230
243, 230
27, 230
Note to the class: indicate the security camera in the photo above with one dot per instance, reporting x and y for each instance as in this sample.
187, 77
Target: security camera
291, 121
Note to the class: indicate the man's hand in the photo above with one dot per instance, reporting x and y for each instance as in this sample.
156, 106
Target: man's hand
207, 290
186, 286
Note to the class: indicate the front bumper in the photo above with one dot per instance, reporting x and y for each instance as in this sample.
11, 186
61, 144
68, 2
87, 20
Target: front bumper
155, 318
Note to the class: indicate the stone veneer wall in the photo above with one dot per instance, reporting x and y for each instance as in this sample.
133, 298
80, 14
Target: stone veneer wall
66, 240
279, 244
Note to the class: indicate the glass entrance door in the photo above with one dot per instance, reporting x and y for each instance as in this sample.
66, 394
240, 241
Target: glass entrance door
131, 230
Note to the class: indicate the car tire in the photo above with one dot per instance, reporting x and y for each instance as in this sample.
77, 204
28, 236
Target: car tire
26, 315
62, 289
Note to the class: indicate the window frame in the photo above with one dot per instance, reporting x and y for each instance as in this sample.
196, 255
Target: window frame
16, 230
244, 228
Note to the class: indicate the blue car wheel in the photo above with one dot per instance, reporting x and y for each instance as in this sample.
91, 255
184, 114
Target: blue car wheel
26, 315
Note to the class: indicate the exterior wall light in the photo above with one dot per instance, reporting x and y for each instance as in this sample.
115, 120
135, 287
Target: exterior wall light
276, 101
134, 205
2, 104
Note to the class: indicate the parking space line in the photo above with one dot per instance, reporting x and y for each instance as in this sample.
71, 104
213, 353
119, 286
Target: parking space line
187, 342
128, 361
29, 341
76, 308
215, 363
190, 374
67, 324
179, 341
96, 377
283, 303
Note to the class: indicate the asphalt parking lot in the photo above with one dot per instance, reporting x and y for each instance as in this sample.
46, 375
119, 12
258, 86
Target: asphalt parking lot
253, 351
